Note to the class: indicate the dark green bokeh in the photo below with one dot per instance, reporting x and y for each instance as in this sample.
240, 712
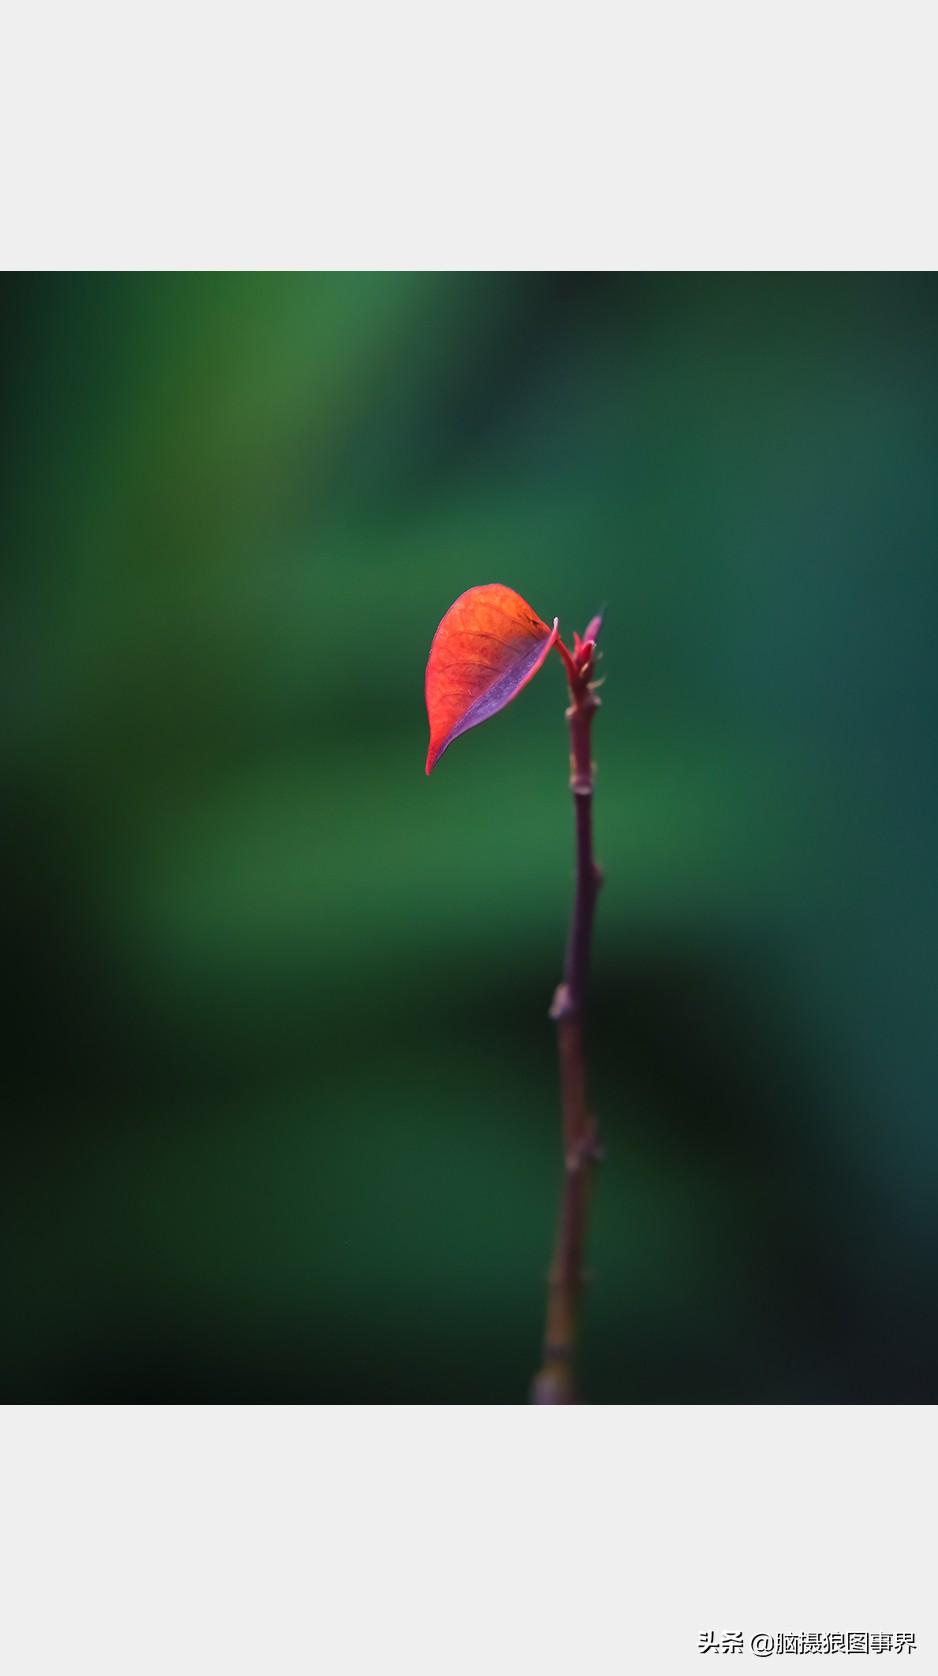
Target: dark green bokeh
282, 1083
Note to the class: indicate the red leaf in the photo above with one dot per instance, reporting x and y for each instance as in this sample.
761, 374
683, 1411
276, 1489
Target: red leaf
485, 650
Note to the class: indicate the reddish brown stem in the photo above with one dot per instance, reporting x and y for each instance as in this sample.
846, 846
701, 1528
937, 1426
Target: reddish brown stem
556, 1381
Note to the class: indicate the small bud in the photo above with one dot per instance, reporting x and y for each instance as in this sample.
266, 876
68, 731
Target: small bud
585, 655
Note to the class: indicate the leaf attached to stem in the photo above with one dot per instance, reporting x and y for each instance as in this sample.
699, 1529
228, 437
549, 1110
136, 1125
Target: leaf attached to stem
487, 647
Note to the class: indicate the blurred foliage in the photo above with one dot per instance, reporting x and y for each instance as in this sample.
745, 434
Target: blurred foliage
281, 1080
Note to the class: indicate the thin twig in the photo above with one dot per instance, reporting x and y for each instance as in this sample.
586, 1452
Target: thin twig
556, 1381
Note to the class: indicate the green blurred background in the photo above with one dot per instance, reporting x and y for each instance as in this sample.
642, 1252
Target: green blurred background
282, 1096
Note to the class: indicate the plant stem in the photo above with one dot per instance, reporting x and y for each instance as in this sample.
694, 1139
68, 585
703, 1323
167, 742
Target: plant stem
556, 1381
